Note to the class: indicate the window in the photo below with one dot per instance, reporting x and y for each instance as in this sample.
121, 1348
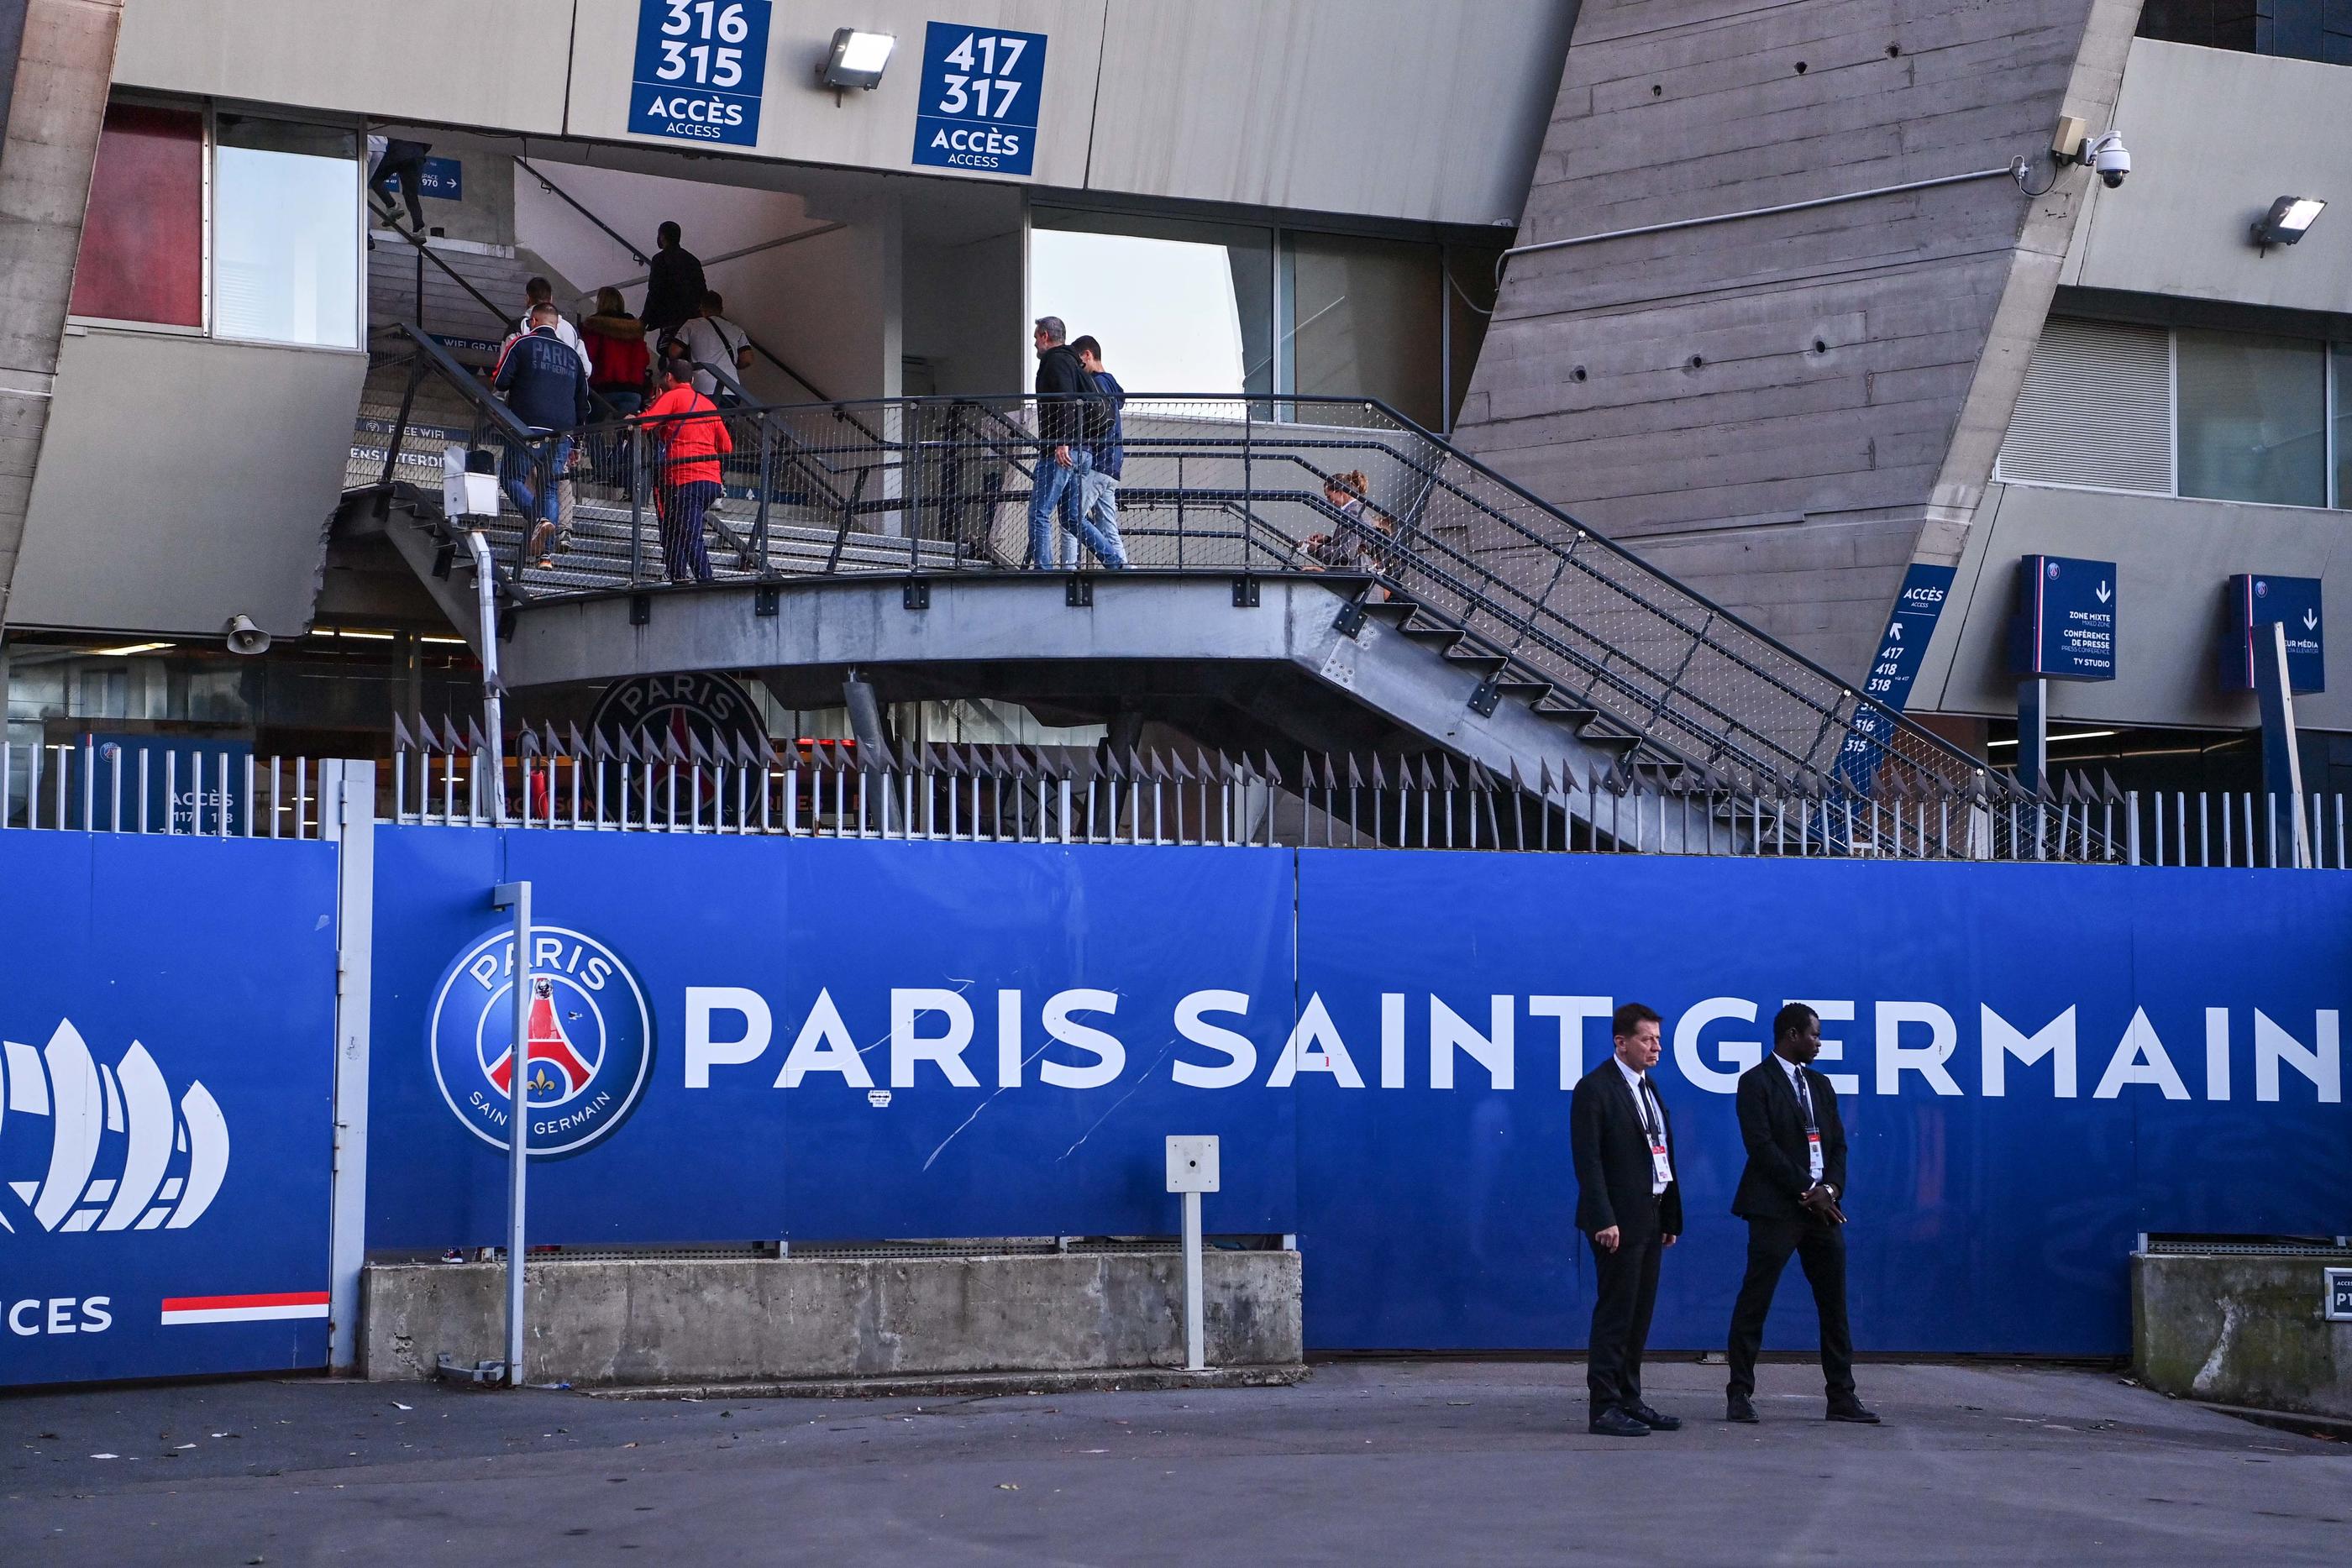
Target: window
2224, 416
267, 249
1364, 317
1178, 306
2293, 30
1185, 306
142, 236
286, 220
2253, 418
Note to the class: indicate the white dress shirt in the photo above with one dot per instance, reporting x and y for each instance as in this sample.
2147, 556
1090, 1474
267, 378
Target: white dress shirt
1645, 1107
1802, 1090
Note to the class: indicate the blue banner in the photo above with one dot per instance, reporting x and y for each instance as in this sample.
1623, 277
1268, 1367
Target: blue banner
701, 67
803, 1040
982, 90
166, 1123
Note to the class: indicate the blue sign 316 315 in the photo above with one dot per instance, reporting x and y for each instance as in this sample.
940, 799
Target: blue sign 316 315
981, 93
2065, 624
699, 68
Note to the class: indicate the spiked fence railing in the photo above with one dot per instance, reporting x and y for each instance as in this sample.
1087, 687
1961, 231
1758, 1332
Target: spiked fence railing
672, 782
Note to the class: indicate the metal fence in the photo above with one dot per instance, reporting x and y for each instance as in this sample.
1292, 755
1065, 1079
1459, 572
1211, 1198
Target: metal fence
180, 787
939, 792
936, 485
1012, 794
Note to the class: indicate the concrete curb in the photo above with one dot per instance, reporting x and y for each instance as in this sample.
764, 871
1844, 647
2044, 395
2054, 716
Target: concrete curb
1105, 1380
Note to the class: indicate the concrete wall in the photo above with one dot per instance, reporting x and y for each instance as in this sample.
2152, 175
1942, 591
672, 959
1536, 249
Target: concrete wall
184, 481
2214, 136
57, 73
2240, 1330
1784, 411
447, 60
1426, 109
2171, 560
715, 1320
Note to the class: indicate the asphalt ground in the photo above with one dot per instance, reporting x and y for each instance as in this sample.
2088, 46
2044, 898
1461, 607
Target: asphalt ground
1368, 1462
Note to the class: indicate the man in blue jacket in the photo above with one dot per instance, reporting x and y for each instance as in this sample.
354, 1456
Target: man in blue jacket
547, 388
1108, 450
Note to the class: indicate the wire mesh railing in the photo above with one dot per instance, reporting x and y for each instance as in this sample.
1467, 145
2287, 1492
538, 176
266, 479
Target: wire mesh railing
923, 486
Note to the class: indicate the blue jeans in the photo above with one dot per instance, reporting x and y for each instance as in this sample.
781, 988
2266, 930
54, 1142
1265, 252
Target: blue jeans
1065, 489
522, 465
1101, 493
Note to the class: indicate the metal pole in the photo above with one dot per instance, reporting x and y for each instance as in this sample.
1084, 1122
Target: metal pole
485, 607
516, 895
1195, 1351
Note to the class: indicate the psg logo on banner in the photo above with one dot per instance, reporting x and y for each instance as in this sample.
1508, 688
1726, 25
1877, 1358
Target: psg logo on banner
589, 1048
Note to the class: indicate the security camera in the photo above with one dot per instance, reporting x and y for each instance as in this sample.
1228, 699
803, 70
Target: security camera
244, 637
2107, 155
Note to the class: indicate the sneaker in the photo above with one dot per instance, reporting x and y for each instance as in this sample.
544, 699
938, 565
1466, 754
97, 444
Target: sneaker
453, 1256
1612, 1422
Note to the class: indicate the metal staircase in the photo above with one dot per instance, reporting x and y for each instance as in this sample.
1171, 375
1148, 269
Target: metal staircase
1485, 622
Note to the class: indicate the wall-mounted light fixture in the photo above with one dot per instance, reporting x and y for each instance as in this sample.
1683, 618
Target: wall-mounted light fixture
2286, 221
858, 60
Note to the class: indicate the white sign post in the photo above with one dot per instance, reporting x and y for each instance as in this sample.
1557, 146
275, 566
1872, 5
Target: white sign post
516, 895
1191, 1171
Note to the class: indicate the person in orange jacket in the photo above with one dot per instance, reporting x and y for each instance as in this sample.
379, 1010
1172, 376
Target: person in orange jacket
684, 429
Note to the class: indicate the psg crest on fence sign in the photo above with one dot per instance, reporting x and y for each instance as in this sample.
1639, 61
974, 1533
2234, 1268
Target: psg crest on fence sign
589, 1047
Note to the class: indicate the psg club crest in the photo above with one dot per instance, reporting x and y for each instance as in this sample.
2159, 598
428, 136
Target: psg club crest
589, 1050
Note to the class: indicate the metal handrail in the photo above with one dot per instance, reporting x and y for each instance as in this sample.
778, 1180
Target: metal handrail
1682, 677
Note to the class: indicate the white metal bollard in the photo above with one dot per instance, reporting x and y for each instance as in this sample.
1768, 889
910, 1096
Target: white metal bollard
1191, 1171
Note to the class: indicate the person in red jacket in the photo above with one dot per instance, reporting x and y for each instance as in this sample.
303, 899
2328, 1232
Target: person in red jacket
682, 427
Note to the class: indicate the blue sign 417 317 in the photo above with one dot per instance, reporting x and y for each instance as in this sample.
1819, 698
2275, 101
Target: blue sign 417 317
699, 69
2065, 624
981, 93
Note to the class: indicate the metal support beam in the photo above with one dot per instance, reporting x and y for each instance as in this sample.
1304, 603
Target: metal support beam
2282, 757
516, 895
347, 818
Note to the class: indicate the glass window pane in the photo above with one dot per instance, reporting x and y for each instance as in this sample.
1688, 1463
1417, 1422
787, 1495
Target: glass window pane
285, 233
1178, 306
2344, 424
142, 235
2253, 418
1364, 321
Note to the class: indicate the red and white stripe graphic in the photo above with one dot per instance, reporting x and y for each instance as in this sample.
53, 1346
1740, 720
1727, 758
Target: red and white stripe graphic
244, 1309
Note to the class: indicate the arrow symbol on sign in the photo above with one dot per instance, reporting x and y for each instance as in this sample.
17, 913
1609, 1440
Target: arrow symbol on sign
2310, 619
2104, 594
1895, 629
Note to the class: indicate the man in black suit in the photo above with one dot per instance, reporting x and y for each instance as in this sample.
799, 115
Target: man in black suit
1789, 1195
1629, 1203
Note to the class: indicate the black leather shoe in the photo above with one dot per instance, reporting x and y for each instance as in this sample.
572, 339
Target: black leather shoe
1739, 1407
1855, 1413
1657, 1421
1614, 1423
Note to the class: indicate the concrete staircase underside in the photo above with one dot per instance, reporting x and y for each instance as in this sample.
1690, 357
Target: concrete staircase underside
1277, 675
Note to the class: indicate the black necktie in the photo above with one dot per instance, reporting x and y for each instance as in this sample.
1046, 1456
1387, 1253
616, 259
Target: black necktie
1653, 1121
1804, 1097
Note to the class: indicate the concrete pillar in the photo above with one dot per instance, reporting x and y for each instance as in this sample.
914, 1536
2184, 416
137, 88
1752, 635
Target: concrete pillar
58, 75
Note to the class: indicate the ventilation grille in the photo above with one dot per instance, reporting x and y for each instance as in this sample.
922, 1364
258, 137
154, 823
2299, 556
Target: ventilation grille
2096, 410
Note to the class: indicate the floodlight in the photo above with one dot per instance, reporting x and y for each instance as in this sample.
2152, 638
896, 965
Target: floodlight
858, 60
2288, 219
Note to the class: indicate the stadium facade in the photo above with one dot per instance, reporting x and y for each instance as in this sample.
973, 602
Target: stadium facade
1837, 335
